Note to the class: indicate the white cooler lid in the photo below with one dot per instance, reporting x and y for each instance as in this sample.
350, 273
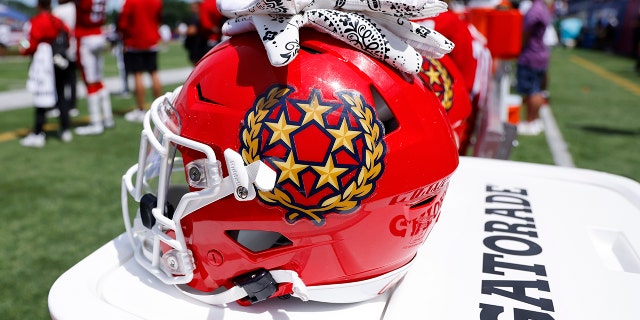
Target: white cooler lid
570, 249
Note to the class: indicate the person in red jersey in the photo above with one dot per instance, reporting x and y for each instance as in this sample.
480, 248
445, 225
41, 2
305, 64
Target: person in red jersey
211, 21
92, 43
43, 28
139, 23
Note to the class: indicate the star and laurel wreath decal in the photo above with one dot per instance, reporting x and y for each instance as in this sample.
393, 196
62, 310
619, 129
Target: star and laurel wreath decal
328, 152
440, 81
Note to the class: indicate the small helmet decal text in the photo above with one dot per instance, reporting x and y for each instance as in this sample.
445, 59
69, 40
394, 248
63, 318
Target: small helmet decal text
328, 154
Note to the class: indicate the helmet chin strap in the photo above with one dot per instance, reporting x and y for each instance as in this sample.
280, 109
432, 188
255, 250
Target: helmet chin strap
240, 291
255, 288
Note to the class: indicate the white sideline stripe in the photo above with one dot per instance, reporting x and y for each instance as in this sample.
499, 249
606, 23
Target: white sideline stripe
558, 146
16, 99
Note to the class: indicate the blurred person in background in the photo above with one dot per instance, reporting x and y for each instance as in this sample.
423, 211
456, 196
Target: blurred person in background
532, 65
194, 42
66, 80
211, 21
92, 43
42, 30
117, 50
139, 24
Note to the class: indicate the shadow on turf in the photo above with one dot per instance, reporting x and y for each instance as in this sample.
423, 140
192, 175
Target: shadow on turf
607, 130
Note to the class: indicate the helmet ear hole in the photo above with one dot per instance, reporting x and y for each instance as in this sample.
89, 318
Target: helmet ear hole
201, 96
383, 111
257, 240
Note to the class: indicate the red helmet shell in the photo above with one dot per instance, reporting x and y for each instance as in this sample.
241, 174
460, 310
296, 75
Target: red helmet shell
446, 80
363, 154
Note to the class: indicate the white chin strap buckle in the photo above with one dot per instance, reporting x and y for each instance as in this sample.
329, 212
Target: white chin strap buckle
258, 285
261, 284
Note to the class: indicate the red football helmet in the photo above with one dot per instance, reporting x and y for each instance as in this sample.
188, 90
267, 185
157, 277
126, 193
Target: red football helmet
444, 77
350, 163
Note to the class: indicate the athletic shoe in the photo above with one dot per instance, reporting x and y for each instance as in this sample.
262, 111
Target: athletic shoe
109, 124
530, 128
136, 115
53, 113
89, 130
34, 140
66, 136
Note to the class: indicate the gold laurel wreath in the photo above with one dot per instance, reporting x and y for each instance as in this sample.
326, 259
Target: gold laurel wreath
447, 95
356, 190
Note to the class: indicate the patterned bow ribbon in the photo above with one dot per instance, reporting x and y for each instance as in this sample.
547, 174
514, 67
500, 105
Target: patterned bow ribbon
379, 27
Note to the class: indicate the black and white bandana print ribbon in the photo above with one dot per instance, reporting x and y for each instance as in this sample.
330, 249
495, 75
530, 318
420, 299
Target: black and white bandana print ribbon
378, 27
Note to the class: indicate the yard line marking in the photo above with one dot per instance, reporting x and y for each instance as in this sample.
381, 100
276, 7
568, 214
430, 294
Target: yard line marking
559, 148
7, 136
634, 88
12, 135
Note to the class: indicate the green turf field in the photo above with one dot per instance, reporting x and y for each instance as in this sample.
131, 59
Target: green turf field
62, 202
595, 99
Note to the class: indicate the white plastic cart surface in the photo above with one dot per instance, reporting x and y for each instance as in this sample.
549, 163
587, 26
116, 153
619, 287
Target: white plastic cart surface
514, 241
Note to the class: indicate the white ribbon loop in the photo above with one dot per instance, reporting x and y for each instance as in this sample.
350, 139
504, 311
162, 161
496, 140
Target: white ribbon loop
380, 28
